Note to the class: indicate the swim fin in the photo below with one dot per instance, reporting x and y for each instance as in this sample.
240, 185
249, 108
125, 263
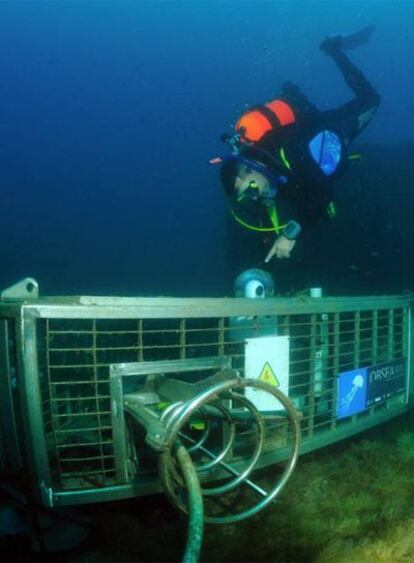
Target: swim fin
345, 42
356, 39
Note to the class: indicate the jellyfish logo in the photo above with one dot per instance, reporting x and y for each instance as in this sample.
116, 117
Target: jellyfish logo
357, 383
351, 392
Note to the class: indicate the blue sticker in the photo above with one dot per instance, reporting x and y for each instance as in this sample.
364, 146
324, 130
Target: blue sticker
326, 150
386, 380
352, 392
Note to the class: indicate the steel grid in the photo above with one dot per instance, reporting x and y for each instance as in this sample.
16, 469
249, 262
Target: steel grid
78, 340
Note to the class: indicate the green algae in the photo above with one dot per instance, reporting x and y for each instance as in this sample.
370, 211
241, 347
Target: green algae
346, 495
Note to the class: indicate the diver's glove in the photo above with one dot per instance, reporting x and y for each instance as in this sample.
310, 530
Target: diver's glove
331, 45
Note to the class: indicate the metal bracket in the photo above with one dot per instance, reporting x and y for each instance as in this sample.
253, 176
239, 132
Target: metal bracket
158, 388
28, 288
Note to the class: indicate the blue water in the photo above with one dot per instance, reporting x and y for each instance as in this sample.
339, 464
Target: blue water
109, 112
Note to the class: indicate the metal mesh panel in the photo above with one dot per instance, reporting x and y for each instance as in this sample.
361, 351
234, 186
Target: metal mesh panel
75, 355
11, 419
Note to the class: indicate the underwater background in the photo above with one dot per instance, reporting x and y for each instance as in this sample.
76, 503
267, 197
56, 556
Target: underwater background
110, 111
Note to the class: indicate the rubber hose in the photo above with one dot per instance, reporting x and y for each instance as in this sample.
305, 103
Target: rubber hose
195, 506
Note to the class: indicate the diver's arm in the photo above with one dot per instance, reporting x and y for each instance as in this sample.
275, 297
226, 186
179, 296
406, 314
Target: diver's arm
285, 242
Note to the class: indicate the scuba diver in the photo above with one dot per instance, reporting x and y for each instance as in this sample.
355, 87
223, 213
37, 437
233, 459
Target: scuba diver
289, 153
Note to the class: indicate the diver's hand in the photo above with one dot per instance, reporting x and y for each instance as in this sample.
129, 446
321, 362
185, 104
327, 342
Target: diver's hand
281, 248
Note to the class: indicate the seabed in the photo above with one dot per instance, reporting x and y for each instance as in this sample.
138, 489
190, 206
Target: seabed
351, 502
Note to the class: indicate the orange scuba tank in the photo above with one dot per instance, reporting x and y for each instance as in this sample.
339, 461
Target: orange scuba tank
258, 121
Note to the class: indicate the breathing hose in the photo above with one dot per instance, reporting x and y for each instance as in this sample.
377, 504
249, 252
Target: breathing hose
195, 505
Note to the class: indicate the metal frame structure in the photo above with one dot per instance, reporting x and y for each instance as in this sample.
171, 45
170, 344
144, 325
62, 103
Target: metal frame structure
56, 356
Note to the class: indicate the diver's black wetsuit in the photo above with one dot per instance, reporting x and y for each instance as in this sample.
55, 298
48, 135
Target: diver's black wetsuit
354, 116
308, 190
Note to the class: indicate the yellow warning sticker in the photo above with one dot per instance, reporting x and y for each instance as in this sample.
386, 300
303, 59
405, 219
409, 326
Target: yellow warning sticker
267, 375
